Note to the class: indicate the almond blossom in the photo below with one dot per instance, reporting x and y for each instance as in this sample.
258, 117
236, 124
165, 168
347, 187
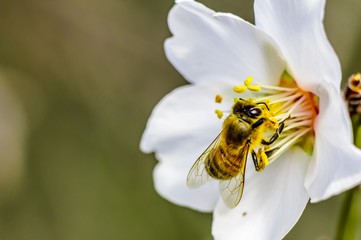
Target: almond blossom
295, 70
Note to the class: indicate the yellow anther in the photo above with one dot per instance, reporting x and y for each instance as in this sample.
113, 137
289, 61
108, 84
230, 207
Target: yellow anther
235, 100
218, 98
248, 81
254, 88
219, 113
239, 89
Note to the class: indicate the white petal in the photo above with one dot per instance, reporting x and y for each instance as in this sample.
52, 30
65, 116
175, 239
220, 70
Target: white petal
336, 163
184, 115
273, 201
170, 183
209, 46
180, 128
297, 28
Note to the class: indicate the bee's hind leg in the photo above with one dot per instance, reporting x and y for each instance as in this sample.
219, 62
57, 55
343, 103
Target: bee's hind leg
260, 159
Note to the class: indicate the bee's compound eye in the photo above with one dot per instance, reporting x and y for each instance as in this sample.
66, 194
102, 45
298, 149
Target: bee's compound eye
254, 112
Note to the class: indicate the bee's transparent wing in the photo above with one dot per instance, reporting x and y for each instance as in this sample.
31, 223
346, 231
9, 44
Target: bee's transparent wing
232, 189
198, 175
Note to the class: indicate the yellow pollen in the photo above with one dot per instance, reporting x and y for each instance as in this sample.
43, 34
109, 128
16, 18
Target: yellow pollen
254, 88
264, 158
218, 98
239, 89
219, 113
248, 81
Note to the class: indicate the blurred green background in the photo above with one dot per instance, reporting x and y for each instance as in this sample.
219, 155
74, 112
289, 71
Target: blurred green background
78, 80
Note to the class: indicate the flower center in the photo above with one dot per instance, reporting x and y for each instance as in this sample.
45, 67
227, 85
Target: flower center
291, 111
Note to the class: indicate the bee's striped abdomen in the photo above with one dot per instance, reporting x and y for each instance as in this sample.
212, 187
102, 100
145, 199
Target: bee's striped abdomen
224, 163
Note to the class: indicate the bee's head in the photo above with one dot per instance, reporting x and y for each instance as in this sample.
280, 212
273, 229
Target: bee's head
249, 109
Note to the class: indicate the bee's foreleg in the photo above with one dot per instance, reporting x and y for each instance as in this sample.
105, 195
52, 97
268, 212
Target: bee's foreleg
260, 160
274, 136
258, 123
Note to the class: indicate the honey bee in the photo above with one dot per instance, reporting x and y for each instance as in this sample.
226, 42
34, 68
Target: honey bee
353, 94
226, 157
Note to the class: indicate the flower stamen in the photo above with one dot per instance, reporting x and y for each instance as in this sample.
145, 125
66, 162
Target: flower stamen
291, 112
250, 87
295, 108
247, 85
285, 143
254, 88
239, 89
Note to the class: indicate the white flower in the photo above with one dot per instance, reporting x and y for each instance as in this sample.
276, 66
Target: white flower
217, 51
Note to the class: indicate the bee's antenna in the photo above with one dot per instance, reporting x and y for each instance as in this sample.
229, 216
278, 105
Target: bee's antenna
264, 104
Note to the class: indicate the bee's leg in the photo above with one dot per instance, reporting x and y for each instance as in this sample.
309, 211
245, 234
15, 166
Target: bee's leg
260, 160
258, 123
279, 130
275, 136
269, 153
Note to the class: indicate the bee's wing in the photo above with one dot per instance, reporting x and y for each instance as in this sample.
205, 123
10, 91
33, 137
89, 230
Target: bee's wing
232, 189
198, 175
